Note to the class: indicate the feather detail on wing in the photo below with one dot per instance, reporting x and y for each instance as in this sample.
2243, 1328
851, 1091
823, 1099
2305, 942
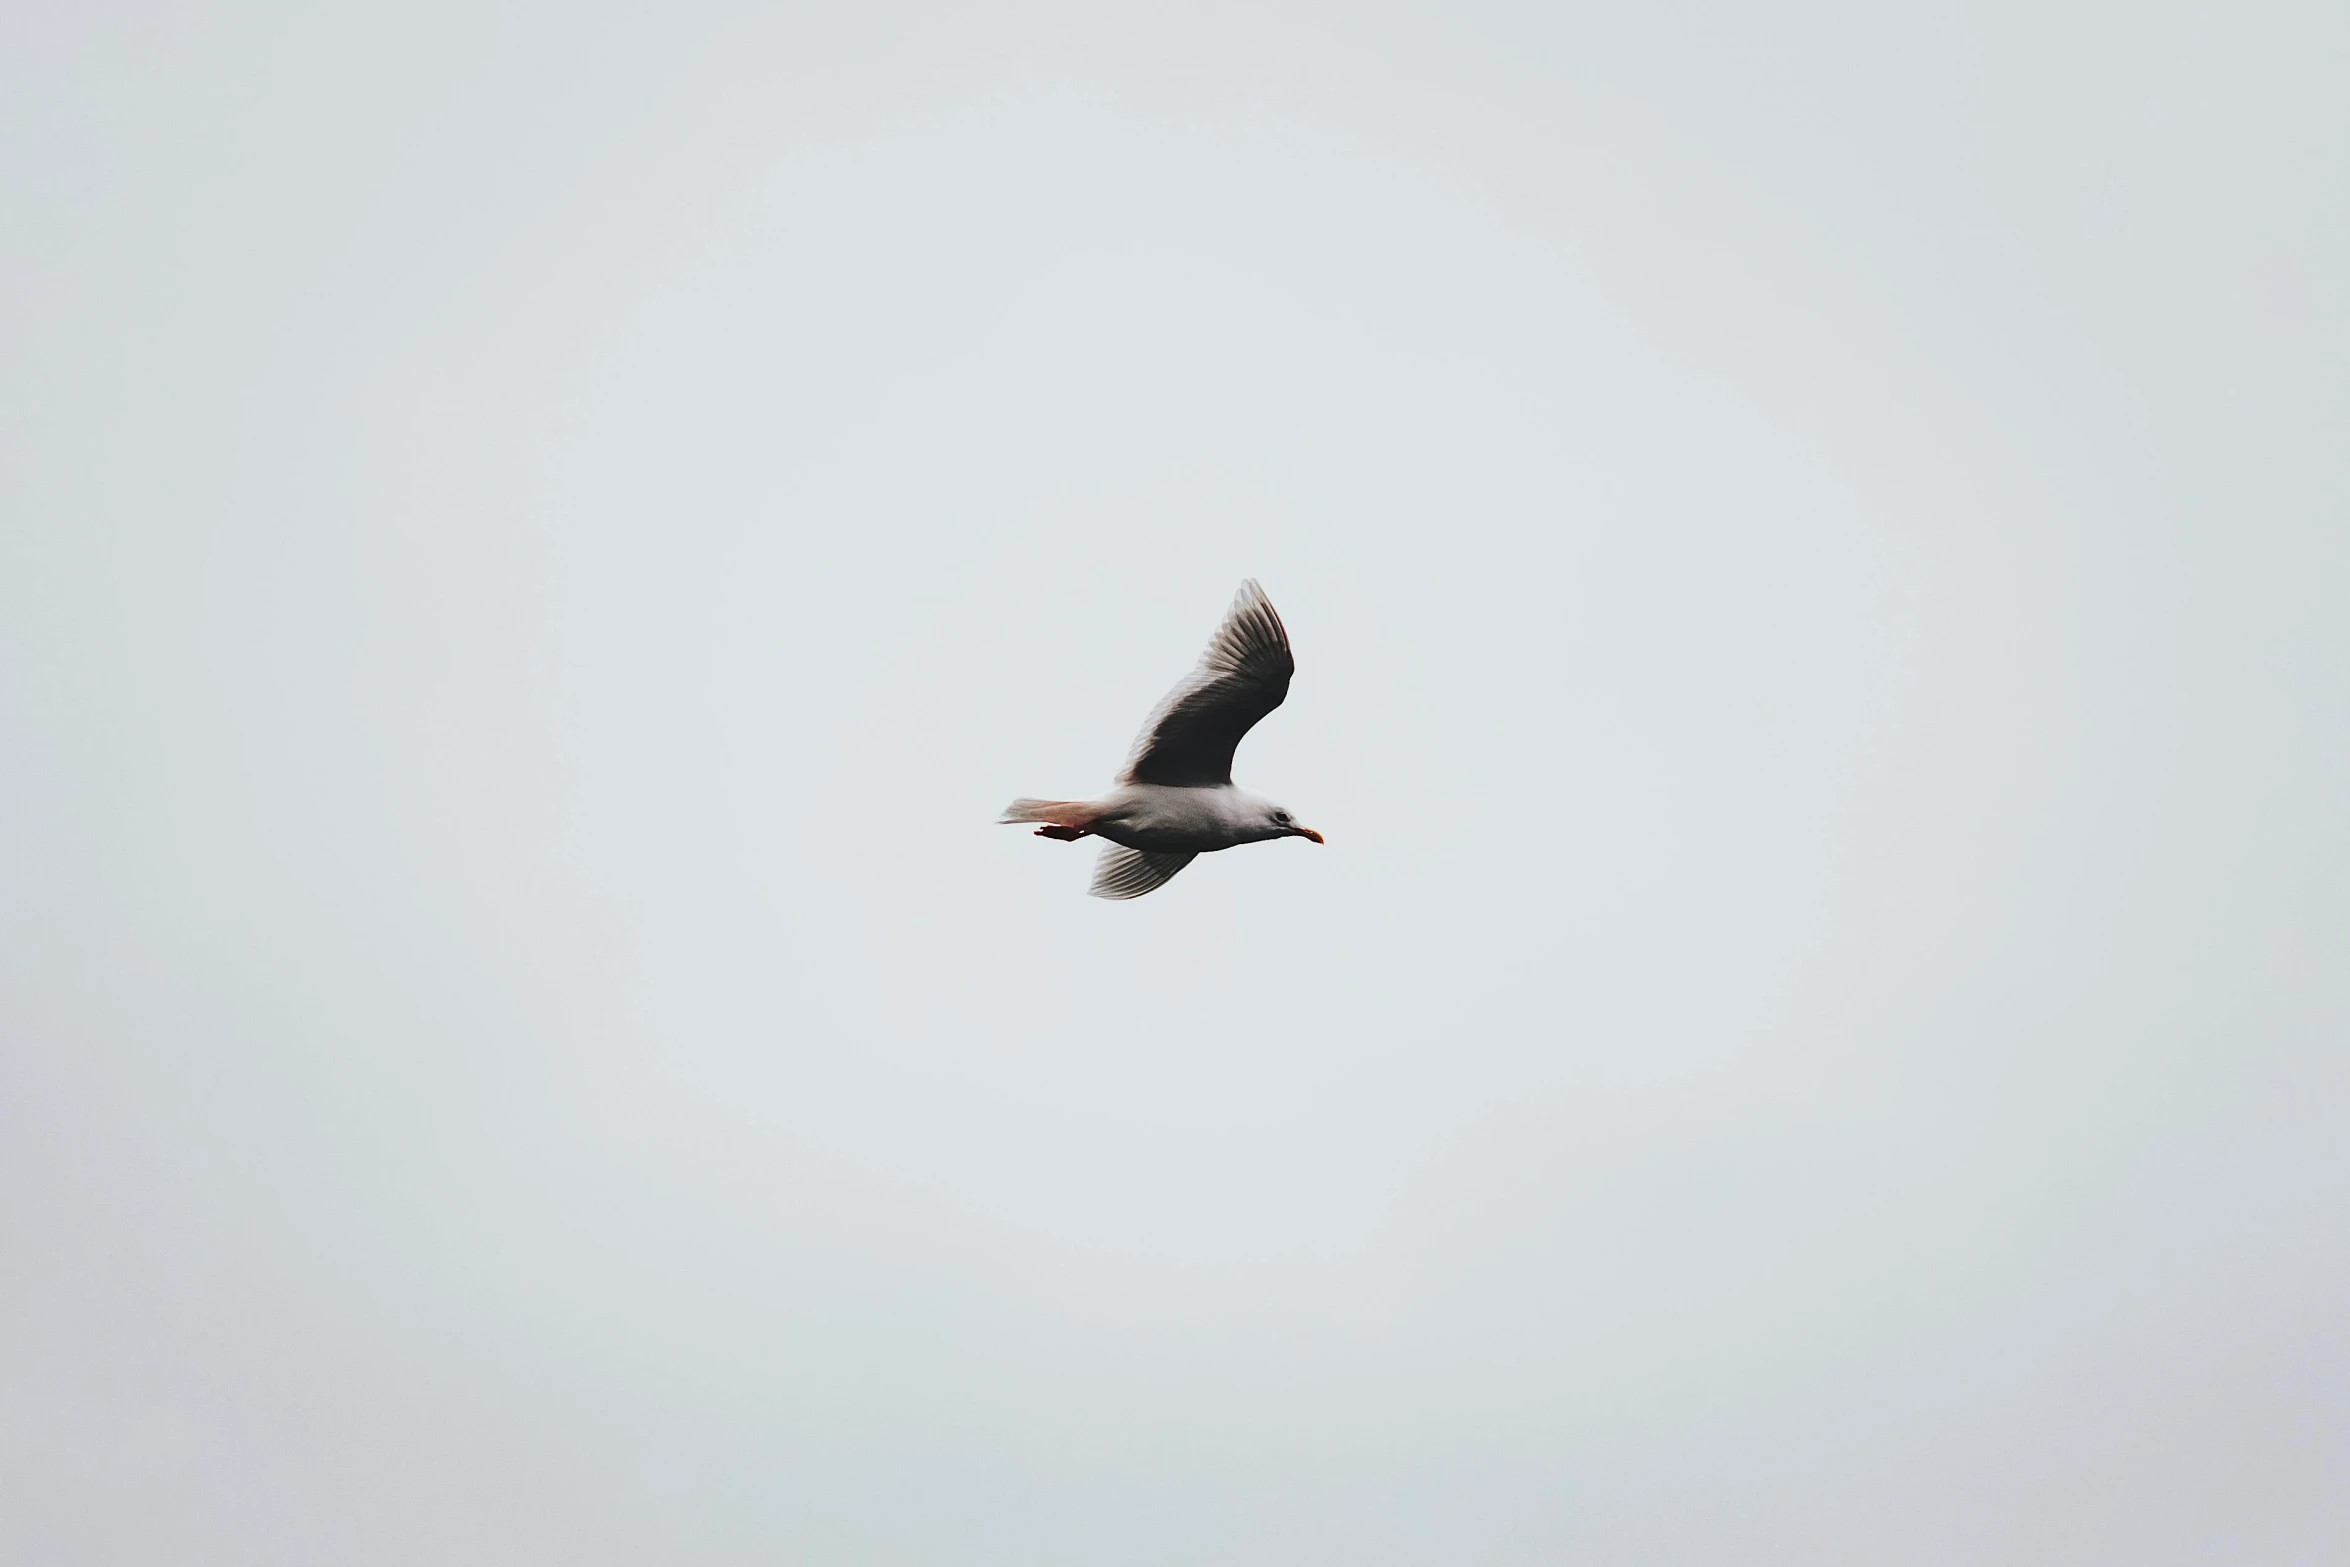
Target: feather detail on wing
1190, 737
1129, 873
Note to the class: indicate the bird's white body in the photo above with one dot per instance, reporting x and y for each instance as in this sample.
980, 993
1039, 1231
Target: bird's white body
1176, 819
1176, 798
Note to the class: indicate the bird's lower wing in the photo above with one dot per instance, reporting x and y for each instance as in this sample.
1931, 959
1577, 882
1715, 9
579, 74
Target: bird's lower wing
1129, 873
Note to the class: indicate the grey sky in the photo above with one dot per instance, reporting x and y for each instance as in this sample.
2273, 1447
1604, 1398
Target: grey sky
534, 540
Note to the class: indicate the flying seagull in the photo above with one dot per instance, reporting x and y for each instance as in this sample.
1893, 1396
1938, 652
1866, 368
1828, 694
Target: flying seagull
1176, 799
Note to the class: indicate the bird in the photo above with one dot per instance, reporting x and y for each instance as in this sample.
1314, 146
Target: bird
1175, 799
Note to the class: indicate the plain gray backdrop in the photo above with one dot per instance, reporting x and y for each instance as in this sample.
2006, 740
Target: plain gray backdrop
537, 538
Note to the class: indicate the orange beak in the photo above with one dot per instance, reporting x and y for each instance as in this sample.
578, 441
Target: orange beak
1305, 832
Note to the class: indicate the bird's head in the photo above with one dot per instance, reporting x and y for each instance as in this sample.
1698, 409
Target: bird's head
1276, 822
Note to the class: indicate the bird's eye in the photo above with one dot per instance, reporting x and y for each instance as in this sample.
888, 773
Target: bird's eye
1281, 816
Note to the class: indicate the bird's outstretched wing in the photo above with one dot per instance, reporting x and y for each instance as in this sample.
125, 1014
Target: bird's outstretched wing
1190, 737
1129, 873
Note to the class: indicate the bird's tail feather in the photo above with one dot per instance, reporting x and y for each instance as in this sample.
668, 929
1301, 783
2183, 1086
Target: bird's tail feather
1061, 813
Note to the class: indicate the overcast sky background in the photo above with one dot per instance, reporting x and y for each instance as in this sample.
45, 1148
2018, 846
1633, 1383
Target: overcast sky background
536, 540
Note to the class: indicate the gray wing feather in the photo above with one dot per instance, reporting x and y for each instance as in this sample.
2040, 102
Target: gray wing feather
1190, 737
1129, 873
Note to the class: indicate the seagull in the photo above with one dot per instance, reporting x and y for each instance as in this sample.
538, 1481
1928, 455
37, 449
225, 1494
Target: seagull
1175, 800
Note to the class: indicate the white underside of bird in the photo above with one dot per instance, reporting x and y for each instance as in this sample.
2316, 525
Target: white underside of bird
1175, 799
